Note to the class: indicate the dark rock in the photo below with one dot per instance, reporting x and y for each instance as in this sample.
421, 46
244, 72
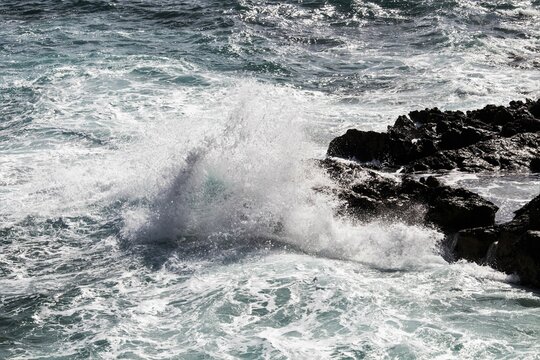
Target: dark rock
528, 258
489, 139
535, 165
473, 244
431, 181
516, 244
503, 116
367, 193
503, 153
521, 124
454, 209
456, 139
528, 216
359, 145
534, 108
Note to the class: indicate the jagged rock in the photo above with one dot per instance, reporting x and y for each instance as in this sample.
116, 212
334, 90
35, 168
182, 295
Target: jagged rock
455, 209
473, 244
516, 244
534, 109
489, 139
367, 193
513, 153
360, 145
527, 258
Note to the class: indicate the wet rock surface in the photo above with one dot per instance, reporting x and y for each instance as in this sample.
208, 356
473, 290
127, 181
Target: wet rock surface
489, 139
495, 138
513, 247
367, 193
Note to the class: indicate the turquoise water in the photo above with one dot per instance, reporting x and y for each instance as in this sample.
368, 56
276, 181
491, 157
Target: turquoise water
156, 193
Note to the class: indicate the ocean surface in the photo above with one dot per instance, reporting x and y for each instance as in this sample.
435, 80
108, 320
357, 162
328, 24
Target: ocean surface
156, 179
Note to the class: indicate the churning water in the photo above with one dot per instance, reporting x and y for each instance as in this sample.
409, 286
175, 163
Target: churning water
156, 179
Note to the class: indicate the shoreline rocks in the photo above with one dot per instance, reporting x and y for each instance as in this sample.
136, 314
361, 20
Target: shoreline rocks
495, 138
490, 139
367, 193
513, 247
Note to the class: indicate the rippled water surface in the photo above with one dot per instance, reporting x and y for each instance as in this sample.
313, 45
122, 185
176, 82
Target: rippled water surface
156, 193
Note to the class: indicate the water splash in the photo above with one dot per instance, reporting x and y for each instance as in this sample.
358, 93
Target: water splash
253, 179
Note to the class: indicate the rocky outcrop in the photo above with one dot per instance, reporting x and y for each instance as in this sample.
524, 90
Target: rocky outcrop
489, 139
367, 193
513, 247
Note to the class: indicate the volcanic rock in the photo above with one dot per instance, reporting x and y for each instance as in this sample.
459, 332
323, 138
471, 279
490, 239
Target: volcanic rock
367, 193
516, 244
493, 138
489, 139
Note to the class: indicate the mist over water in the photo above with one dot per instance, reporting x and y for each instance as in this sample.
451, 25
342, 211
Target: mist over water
157, 179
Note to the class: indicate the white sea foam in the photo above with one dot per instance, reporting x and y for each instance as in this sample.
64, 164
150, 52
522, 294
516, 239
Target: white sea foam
244, 171
252, 178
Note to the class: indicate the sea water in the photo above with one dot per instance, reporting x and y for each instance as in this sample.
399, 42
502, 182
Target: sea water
157, 179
